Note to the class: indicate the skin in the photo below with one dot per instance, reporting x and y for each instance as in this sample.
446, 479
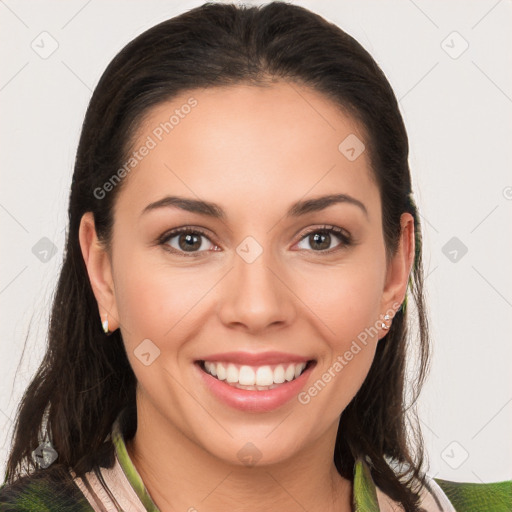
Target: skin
254, 151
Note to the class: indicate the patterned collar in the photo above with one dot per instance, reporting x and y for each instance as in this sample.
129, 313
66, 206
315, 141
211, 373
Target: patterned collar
367, 497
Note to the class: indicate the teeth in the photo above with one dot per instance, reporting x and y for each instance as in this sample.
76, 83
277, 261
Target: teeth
279, 374
249, 377
264, 376
220, 370
289, 374
232, 373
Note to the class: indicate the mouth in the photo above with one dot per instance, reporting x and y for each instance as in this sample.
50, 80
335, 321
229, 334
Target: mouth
254, 378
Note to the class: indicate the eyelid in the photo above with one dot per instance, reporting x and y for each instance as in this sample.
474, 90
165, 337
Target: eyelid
326, 227
183, 229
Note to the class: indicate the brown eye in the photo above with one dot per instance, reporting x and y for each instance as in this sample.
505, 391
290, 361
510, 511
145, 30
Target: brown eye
322, 240
189, 241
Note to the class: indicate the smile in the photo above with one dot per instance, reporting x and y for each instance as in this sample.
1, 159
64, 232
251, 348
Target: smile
260, 378
254, 383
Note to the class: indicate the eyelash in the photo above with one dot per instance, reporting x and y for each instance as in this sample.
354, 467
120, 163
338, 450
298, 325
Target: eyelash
344, 236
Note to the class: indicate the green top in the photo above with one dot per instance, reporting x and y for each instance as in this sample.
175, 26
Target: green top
54, 490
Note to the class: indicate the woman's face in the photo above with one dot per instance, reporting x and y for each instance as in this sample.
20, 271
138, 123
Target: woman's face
255, 286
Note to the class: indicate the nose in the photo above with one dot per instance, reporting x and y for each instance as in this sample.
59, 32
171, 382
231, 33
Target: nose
257, 296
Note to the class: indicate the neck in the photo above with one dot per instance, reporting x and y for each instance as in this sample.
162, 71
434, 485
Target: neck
180, 475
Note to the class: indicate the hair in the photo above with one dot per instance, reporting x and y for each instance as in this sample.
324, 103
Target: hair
85, 380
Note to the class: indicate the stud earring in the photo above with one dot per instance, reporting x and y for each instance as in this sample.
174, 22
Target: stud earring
383, 324
105, 325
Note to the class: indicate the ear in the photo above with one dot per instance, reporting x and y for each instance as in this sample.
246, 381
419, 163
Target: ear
99, 269
399, 267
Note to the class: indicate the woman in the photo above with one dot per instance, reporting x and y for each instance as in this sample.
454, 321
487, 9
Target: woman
229, 330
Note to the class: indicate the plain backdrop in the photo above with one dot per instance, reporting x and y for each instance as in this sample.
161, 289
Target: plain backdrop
450, 66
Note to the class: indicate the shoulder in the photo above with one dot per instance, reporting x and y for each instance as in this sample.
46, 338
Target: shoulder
469, 497
438, 495
50, 489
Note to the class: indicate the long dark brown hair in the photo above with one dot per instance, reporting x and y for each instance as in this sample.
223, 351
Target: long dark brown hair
84, 380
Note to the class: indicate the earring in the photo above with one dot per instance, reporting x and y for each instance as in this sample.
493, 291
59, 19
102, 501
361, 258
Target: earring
45, 454
384, 325
105, 325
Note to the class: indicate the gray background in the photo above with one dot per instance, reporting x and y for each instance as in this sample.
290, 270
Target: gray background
457, 104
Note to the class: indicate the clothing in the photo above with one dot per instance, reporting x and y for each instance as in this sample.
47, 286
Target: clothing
56, 490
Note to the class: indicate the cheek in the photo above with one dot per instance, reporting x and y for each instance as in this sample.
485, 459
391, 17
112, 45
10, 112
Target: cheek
152, 297
160, 301
345, 298
347, 301
156, 302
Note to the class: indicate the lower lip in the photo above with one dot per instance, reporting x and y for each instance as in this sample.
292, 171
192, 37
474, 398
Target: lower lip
251, 400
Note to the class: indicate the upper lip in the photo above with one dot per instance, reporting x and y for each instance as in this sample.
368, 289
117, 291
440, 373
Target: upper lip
255, 359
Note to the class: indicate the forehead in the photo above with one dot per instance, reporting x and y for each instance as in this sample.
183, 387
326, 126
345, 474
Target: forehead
249, 147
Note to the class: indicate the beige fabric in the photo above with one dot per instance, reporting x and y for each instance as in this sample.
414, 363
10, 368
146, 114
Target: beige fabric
128, 500
119, 486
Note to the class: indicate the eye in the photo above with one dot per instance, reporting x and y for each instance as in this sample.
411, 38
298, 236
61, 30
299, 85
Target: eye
320, 239
187, 240
193, 242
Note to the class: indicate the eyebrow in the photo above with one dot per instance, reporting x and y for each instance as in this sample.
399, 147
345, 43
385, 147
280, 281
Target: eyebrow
214, 210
